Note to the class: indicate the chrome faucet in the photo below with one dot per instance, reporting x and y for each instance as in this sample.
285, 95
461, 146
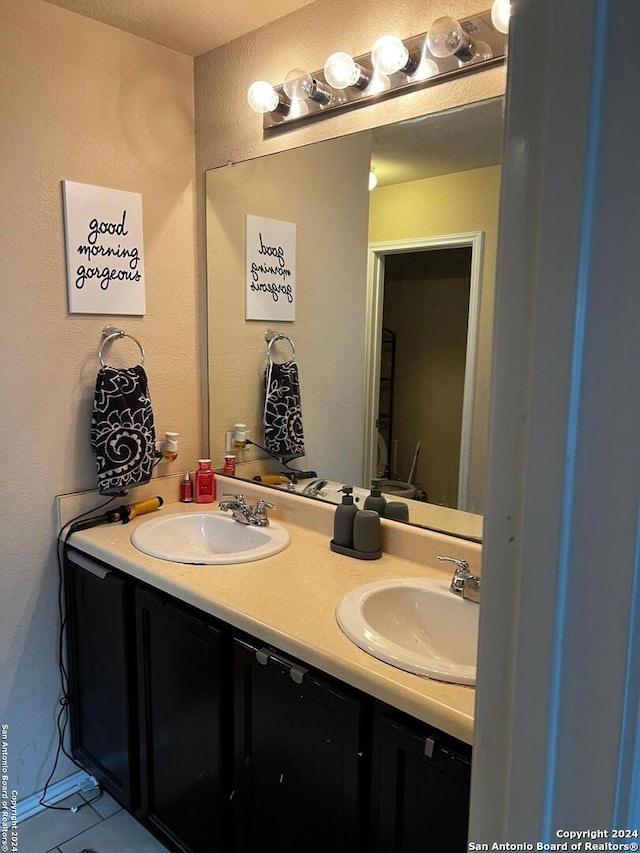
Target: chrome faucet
463, 582
244, 513
315, 488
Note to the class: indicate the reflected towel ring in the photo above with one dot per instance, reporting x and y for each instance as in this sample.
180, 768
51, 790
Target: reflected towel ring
273, 337
110, 333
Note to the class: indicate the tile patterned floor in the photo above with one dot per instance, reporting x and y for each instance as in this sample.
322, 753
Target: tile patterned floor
102, 827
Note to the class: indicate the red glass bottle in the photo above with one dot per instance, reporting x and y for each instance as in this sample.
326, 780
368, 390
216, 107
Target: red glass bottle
205, 485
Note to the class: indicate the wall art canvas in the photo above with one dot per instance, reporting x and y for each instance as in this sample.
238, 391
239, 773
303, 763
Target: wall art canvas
105, 258
270, 269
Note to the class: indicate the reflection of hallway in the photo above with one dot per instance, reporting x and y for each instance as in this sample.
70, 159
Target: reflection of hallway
405, 217
426, 306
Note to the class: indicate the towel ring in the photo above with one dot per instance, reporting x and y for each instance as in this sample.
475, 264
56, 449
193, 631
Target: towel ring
110, 333
273, 337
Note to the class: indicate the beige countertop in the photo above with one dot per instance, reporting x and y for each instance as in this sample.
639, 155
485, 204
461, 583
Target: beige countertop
289, 600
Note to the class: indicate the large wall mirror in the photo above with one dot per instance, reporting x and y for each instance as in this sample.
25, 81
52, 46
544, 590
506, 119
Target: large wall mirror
394, 309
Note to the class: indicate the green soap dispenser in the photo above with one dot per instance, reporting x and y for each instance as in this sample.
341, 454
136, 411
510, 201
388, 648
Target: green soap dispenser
376, 500
343, 519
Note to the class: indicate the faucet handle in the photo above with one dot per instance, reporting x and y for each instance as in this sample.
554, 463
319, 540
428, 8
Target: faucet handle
462, 565
239, 498
262, 504
463, 583
260, 513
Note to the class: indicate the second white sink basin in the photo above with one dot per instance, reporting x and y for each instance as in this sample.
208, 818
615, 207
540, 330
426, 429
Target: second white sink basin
415, 624
208, 538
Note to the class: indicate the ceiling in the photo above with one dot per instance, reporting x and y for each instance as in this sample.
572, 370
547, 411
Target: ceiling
189, 26
452, 141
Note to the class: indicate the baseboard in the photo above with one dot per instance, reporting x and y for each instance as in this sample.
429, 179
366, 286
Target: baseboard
58, 791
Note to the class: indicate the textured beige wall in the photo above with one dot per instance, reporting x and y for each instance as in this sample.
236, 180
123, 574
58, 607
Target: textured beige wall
84, 102
433, 208
299, 186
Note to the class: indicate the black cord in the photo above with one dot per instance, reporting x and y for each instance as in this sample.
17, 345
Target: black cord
279, 459
62, 718
268, 452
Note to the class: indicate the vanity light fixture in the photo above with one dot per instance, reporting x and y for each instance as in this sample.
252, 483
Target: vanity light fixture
426, 68
394, 66
373, 180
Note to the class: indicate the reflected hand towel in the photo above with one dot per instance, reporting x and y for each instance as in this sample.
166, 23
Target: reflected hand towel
282, 422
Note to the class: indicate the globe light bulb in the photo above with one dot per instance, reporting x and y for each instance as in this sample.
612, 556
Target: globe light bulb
500, 14
299, 84
341, 70
373, 180
446, 37
262, 97
389, 55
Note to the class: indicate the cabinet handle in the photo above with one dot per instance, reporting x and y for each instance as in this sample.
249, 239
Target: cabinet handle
430, 744
296, 672
89, 566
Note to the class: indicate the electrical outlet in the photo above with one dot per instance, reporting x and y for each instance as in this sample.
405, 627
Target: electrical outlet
88, 784
228, 441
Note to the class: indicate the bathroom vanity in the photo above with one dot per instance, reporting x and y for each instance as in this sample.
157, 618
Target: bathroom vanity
223, 706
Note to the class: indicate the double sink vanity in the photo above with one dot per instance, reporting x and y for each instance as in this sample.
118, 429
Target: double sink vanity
236, 684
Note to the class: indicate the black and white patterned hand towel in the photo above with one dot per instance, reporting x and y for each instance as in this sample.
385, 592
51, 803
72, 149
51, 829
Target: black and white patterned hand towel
282, 420
122, 430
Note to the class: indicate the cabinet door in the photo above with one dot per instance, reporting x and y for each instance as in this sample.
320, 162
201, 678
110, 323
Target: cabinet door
179, 658
421, 782
297, 768
102, 675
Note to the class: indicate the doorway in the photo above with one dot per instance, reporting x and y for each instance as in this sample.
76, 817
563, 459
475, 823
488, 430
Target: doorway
422, 318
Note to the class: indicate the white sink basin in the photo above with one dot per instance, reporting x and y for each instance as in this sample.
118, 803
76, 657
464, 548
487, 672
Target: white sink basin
415, 624
207, 538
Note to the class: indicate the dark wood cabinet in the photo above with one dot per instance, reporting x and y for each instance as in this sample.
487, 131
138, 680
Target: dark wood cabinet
218, 743
299, 781
103, 711
180, 702
420, 791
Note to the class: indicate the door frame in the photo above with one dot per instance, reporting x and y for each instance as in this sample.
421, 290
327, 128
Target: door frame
377, 254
